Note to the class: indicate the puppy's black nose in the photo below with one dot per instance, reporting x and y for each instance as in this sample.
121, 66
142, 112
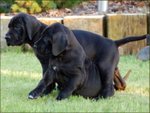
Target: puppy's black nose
7, 37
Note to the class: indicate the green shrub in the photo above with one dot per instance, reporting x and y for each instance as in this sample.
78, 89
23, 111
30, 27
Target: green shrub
46, 5
17, 8
67, 3
37, 6
5, 5
27, 6
32, 6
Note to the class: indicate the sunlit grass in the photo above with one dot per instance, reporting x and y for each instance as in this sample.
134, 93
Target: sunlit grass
20, 73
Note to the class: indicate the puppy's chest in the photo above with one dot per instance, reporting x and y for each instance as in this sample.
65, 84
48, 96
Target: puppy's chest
61, 77
58, 64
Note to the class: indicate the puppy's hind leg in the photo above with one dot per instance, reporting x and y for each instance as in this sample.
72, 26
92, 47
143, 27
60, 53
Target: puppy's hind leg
106, 67
107, 83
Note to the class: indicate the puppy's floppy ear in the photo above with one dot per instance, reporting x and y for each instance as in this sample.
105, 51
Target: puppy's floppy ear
59, 43
32, 25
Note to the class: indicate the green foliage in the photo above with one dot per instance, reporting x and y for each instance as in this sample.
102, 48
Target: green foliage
36, 6
17, 8
5, 5
67, 3
27, 6
32, 6
3, 10
46, 5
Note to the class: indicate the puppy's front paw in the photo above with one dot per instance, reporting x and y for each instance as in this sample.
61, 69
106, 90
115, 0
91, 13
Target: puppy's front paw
33, 95
30, 96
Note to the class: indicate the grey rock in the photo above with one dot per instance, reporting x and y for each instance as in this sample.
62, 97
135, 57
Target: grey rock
144, 54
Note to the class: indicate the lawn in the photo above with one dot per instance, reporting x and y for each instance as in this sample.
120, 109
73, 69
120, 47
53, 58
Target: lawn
20, 73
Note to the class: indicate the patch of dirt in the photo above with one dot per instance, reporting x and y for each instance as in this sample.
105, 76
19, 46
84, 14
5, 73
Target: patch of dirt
91, 8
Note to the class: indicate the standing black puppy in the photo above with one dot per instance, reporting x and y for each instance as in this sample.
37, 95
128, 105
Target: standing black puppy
24, 28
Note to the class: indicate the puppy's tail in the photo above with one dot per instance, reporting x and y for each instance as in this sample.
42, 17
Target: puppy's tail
131, 39
119, 82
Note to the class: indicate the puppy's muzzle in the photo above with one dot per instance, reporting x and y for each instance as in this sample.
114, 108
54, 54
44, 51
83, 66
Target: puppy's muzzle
8, 38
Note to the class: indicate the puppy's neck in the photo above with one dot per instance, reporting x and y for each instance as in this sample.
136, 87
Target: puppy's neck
36, 35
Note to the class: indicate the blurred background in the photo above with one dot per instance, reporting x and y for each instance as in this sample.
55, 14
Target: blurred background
60, 8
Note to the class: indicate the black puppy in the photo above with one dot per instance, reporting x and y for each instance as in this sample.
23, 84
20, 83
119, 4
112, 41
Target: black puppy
69, 66
24, 28
102, 51
107, 60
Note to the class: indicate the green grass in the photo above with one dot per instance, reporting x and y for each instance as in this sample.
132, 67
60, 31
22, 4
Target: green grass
20, 73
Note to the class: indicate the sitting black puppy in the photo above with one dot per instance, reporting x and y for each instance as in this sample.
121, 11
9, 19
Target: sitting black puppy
71, 58
68, 65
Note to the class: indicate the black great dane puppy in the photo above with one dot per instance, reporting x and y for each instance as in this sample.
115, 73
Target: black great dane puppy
98, 65
69, 66
24, 28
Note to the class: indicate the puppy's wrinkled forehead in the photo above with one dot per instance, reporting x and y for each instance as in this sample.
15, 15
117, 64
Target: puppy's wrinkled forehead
15, 21
20, 19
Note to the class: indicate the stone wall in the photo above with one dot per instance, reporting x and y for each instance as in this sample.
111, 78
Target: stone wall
148, 22
123, 25
88, 23
50, 21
